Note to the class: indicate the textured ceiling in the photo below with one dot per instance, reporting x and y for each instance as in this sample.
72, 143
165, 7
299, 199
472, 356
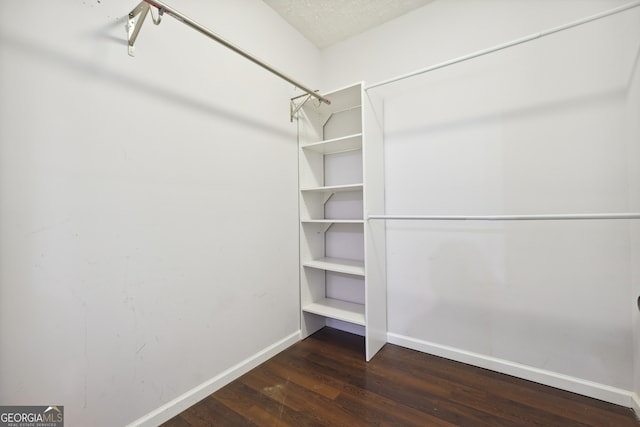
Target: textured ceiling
325, 22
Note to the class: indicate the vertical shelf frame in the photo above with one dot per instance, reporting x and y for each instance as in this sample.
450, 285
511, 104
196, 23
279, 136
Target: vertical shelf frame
374, 231
352, 123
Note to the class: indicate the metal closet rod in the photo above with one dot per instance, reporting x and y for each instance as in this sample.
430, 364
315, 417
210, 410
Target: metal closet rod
547, 217
163, 8
508, 44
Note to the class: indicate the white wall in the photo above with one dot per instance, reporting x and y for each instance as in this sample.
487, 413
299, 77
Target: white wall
148, 205
633, 127
540, 128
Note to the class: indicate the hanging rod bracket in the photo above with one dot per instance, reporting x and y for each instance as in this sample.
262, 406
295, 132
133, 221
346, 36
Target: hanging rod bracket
134, 24
136, 19
159, 18
294, 108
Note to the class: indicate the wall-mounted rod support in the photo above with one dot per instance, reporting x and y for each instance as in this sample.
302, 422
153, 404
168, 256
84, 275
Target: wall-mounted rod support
508, 44
547, 217
294, 108
134, 24
142, 9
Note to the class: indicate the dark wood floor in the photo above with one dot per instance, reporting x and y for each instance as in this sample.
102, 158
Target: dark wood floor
324, 381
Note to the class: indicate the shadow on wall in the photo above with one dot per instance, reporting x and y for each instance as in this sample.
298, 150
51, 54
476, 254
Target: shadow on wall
560, 345
488, 109
632, 75
162, 93
458, 298
518, 113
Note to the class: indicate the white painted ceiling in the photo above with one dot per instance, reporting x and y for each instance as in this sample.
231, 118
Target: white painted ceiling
325, 22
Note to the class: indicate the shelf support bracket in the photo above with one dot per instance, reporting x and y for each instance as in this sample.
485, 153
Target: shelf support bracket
327, 197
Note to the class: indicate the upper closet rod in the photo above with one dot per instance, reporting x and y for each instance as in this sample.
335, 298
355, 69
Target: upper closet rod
549, 217
142, 9
508, 44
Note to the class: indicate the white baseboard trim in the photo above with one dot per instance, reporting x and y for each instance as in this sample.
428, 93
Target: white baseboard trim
635, 404
542, 376
196, 394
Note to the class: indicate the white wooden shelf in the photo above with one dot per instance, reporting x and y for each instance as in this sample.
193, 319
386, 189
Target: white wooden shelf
342, 143
337, 309
337, 145
347, 266
334, 188
332, 221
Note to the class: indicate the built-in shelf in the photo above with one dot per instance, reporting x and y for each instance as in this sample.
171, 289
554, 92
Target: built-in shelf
337, 145
338, 309
338, 265
334, 188
342, 144
332, 221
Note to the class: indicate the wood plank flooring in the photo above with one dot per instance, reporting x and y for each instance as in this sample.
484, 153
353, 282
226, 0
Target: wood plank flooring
324, 381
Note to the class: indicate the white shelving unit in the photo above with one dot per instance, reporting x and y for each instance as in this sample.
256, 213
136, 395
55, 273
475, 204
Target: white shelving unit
342, 270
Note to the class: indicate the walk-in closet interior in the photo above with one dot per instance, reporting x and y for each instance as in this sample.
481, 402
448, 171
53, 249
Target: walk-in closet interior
180, 202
